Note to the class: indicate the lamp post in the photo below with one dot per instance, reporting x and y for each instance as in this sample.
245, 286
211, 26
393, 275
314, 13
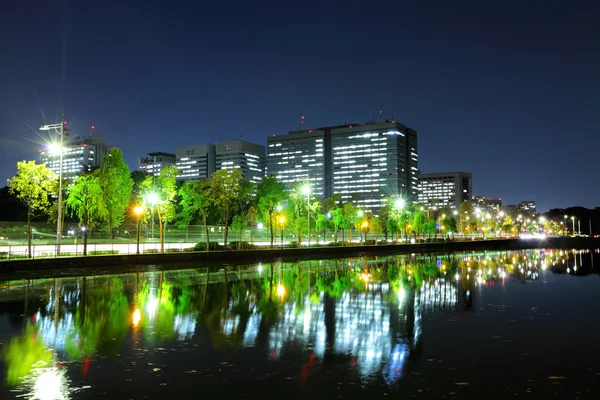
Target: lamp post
138, 211
565, 223
399, 204
365, 226
306, 191
60, 164
573, 220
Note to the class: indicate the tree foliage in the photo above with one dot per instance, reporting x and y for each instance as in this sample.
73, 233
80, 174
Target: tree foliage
33, 184
164, 188
117, 186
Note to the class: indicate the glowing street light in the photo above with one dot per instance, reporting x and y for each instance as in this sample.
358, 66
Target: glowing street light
136, 317
138, 211
56, 128
399, 203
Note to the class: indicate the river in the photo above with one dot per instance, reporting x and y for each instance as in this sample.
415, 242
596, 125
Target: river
469, 325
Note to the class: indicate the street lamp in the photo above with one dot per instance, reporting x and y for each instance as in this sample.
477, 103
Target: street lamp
306, 191
565, 223
573, 219
56, 128
138, 211
153, 199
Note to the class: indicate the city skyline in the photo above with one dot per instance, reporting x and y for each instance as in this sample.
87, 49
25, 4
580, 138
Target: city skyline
505, 93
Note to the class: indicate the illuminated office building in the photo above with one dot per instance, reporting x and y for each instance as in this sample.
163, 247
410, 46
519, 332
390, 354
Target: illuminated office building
195, 162
365, 162
80, 154
445, 189
487, 204
245, 156
154, 162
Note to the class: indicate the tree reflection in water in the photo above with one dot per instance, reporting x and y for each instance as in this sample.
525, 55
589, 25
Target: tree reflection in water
366, 311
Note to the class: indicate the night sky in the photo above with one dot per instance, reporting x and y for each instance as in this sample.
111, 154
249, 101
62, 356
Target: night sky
507, 90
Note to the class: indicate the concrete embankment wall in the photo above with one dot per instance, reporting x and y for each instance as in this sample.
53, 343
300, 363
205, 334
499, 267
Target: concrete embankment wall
221, 258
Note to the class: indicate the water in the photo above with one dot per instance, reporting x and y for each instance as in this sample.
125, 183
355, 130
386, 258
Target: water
485, 325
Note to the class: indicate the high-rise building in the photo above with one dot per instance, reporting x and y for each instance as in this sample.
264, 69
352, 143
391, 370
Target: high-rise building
445, 189
156, 161
487, 204
364, 162
195, 162
527, 206
80, 154
245, 156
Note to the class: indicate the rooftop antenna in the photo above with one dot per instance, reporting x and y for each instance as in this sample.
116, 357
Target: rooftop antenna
93, 130
370, 115
302, 122
221, 139
240, 137
381, 113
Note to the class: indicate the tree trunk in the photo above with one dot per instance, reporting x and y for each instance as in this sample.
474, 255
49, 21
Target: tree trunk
271, 226
160, 231
226, 229
241, 234
85, 224
29, 231
206, 233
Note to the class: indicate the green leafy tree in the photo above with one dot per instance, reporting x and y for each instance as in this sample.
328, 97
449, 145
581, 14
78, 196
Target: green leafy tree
419, 219
322, 223
269, 194
117, 185
429, 228
161, 190
385, 214
195, 202
238, 224
225, 191
376, 227
337, 218
33, 184
251, 216
86, 201
350, 212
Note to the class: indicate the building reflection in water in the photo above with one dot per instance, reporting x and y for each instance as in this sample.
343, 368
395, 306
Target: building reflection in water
365, 313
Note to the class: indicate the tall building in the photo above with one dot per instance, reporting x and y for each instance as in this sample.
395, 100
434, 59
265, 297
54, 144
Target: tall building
156, 161
445, 189
487, 204
195, 162
245, 156
365, 162
80, 154
527, 206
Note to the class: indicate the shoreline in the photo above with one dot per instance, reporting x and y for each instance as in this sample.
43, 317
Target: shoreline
107, 263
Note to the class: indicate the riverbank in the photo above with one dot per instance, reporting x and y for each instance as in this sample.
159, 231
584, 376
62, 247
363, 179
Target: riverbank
219, 258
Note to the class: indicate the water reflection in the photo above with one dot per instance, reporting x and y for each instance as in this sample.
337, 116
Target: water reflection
364, 313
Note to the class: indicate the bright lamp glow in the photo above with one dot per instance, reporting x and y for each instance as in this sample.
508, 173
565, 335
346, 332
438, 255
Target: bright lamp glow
306, 189
153, 198
399, 203
54, 148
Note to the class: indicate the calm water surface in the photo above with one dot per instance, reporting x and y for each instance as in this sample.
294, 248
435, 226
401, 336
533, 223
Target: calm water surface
519, 324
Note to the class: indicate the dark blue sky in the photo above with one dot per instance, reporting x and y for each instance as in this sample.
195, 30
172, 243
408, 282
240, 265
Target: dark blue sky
509, 91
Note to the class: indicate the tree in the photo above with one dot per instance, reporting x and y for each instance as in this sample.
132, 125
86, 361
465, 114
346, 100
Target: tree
419, 219
160, 191
33, 185
349, 212
86, 201
251, 215
269, 194
429, 228
464, 216
225, 191
196, 201
117, 186
376, 227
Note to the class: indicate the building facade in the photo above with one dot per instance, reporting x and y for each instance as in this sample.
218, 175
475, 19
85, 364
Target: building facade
363, 162
528, 207
487, 204
80, 154
245, 156
154, 162
195, 162
445, 189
